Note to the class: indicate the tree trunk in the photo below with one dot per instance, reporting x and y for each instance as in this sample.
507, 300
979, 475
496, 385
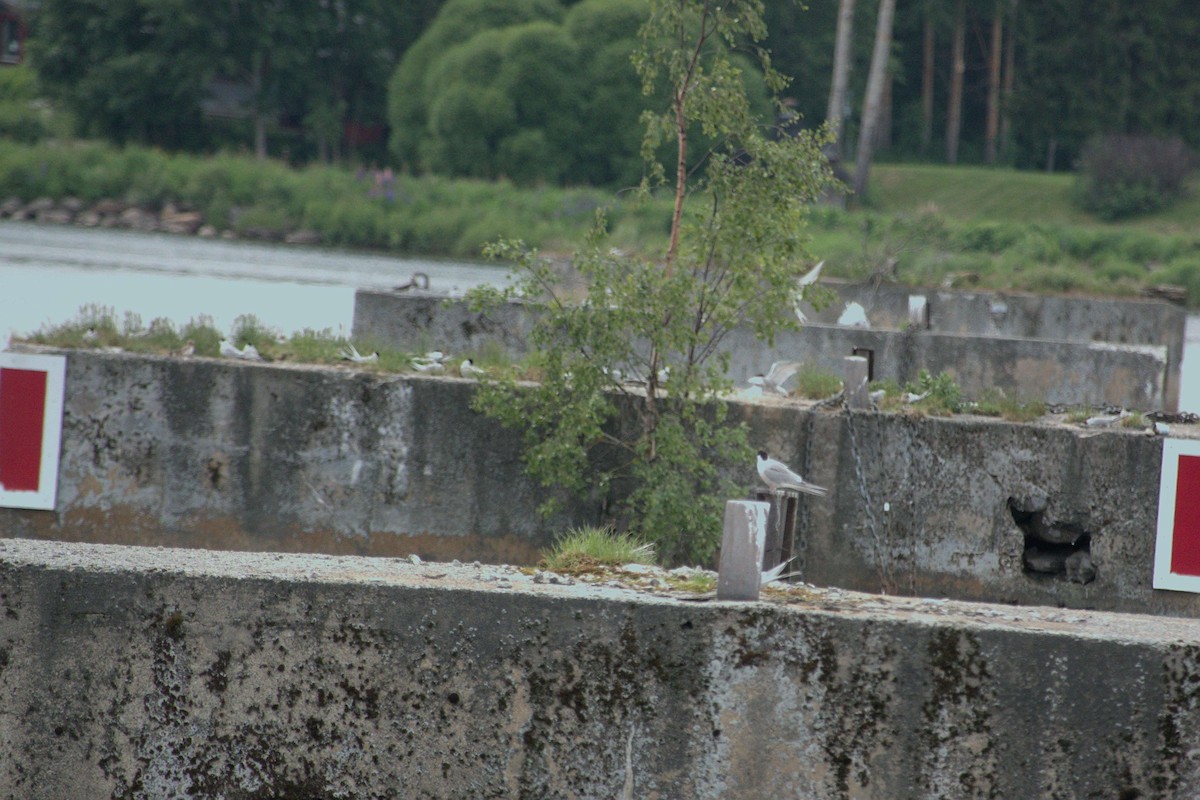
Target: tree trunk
883, 134
260, 127
954, 115
1006, 89
927, 64
836, 112
992, 130
871, 103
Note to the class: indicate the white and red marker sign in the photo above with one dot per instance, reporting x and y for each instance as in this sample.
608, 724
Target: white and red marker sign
31, 406
1177, 550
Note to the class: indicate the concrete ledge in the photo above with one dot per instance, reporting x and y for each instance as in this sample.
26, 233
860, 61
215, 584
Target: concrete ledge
1060, 372
205, 453
209, 453
1069, 370
131, 672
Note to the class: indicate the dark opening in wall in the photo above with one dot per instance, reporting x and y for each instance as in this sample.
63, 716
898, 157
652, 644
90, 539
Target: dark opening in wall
1052, 547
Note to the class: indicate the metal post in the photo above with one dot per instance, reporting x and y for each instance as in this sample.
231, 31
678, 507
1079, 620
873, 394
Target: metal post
739, 576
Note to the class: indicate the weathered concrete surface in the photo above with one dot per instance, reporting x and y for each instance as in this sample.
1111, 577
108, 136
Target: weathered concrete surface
1069, 369
204, 453
141, 673
1068, 373
1071, 318
926, 507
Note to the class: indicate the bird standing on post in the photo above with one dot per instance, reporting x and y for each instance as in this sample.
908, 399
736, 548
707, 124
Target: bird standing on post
777, 475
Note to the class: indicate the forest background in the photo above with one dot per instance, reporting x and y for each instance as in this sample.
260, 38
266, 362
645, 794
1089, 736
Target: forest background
537, 100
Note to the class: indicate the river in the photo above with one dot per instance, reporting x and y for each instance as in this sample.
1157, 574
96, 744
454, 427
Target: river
47, 273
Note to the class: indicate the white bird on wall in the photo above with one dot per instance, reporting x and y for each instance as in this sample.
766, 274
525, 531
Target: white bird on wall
806, 280
467, 369
777, 475
247, 353
779, 374
349, 353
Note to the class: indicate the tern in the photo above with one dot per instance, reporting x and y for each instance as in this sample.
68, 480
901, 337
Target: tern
778, 476
779, 374
467, 369
806, 280
349, 353
247, 353
429, 367
776, 573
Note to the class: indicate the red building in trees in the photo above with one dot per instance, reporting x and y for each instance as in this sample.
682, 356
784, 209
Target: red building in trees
12, 34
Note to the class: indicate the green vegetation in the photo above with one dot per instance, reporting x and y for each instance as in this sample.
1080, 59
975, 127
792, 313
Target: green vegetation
997, 404
584, 549
428, 215
96, 327
926, 225
734, 251
815, 384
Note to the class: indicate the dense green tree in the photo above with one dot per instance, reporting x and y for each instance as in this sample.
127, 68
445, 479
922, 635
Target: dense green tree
139, 70
554, 99
412, 89
129, 70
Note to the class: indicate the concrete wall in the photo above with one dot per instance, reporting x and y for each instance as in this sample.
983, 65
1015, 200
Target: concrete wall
208, 453
1076, 371
1067, 373
204, 453
1018, 314
141, 673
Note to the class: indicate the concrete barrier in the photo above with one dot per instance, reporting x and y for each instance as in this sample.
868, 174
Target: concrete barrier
1070, 370
205, 453
208, 453
159, 673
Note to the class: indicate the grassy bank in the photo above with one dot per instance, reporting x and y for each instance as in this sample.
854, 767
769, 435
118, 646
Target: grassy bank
922, 225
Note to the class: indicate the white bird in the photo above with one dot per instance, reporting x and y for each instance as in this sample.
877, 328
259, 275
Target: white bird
90, 335
810, 277
779, 374
806, 280
349, 353
467, 369
188, 349
777, 475
432, 362
430, 367
775, 573
247, 353
854, 316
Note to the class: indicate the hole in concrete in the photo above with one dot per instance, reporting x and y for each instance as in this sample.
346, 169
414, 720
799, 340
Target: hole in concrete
453, 698
1052, 547
215, 472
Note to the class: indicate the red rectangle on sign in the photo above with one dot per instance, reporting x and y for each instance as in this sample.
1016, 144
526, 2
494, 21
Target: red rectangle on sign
1185, 550
22, 413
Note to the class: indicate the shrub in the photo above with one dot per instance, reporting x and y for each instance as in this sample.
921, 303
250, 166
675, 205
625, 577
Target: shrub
1125, 175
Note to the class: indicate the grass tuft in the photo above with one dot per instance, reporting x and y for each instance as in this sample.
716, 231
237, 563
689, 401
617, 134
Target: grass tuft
586, 548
